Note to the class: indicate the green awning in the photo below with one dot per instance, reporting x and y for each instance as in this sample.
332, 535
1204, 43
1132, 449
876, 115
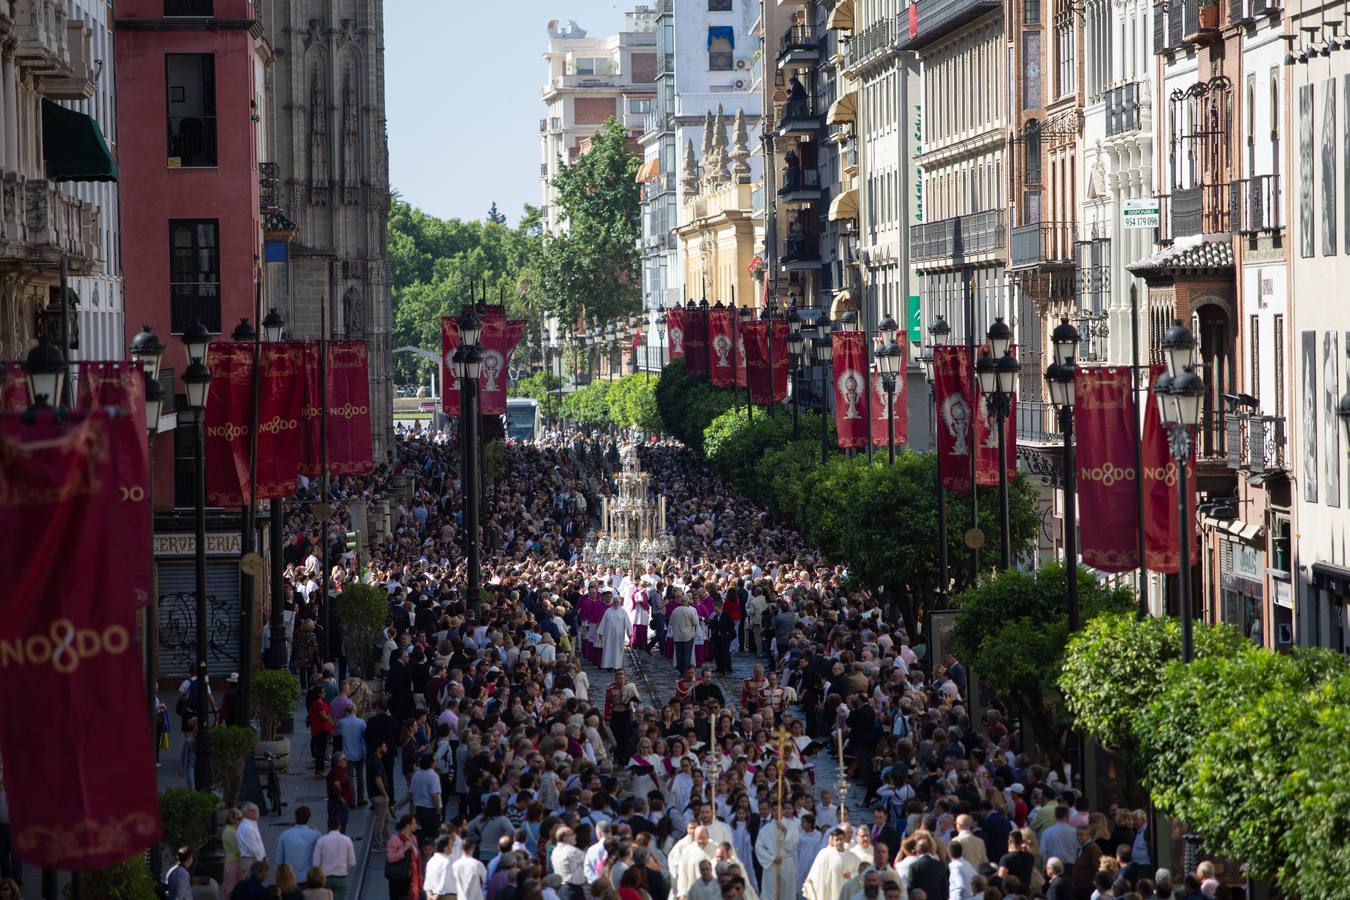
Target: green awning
73, 146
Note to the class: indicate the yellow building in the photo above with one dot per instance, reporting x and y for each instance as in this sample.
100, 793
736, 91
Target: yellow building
718, 230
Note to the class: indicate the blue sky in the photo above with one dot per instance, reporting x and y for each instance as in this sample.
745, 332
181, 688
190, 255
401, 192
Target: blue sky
462, 81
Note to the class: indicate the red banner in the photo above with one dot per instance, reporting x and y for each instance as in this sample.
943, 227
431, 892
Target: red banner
13, 387
75, 736
675, 328
986, 443
120, 384
1162, 531
721, 347
759, 355
850, 387
349, 442
1104, 420
953, 390
449, 386
696, 342
284, 386
899, 408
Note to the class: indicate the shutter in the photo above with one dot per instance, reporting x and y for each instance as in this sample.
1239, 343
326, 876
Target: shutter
1159, 30
1256, 444
178, 617
1233, 438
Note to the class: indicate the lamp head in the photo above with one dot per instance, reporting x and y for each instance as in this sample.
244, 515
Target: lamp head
148, 350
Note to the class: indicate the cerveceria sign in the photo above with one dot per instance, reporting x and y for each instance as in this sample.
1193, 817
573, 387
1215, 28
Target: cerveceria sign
222, 544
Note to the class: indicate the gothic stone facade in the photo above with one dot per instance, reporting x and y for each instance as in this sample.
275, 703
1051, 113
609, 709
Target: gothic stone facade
326, 100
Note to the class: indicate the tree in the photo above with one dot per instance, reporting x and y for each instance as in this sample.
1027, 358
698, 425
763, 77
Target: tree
1316, 852
129, 879
591, 268
495, 216
1011, 630
362, 609
1114, 666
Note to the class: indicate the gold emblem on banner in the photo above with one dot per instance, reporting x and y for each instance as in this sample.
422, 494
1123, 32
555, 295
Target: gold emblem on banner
1108, 474
229, 431
277, 424
348, 411
63, 646
87, 838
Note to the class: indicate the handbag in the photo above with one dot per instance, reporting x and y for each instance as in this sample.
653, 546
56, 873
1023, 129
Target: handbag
401, 870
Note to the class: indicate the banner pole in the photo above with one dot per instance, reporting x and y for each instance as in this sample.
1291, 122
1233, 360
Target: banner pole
1138, 424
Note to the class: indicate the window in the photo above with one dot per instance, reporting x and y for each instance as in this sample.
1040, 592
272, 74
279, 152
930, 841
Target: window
1255, 339
200, 8
639, 107
592, 65
1277, 329
1031, 12
1065, 73
719, 5
719, 54
190, 79
194, 273
1032, 146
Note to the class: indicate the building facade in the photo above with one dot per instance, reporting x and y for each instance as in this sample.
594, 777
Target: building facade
50, 203
327, 171
591, 80
190, 114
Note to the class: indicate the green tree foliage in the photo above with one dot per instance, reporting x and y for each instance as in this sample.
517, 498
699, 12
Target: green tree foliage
1011, 630
588, 405
1316, 852
435, 263
689, 405
642, 410
592, 266
493, 215
1114, 666
230, 744
537, 387
185, 817
362, 609
274, 694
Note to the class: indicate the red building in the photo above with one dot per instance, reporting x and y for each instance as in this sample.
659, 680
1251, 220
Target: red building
190, 112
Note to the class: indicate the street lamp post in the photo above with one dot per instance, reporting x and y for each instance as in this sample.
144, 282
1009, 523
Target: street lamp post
770, 307
743, 315
997, 373
148, 350
823, 345
795, 342
468, 362
1060, 379
1181, 395
197, 381
274, 325
939, 332
888, 361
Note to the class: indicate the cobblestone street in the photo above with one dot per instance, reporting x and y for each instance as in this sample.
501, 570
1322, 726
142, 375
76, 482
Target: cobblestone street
656, 677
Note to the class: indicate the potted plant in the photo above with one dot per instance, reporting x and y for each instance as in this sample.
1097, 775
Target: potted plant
186, 819
757, 268
129, 879
275, 693
230, 745
363, 610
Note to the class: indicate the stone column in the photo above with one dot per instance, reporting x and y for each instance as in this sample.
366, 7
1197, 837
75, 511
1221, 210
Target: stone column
9, 91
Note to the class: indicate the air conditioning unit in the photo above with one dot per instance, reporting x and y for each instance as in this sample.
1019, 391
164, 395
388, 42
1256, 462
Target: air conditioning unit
740, 64
740, 84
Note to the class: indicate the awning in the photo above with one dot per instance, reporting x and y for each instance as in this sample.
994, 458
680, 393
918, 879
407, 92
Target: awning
844, 206
842, 303
841, 17
73, 146
724, 32
1331, 578
649, 170
843, 110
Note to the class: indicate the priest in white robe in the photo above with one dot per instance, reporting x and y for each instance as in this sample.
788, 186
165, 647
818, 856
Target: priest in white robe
613, 635
808, 845
833, 866
776, 850
685, 872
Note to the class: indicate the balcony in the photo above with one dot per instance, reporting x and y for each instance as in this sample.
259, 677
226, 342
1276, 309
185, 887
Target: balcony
1122, 109
1256, 204
1199, 24
192, 142
1200, 210
41, 224
1037, 423
799, 185
873, 41
543, 125
665, 64
800, 117
950, 241
1255, 444
721, 61
57, 51
801, 253
1042, 245
269, 185
800, 46
938, 18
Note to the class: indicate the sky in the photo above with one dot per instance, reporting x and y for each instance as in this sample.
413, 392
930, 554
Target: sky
462, 80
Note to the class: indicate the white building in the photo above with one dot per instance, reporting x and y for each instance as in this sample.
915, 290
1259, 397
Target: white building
706, 50
591, 80
100, 311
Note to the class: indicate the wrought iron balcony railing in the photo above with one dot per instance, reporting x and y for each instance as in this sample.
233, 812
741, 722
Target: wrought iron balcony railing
1122, 109
1041, 243
1256, 204
953, 238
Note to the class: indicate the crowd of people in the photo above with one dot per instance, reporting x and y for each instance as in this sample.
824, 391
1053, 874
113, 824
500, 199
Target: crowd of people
503, 762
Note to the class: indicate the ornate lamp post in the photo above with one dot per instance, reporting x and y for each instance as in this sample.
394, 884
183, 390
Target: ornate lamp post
197, 381
823, 351
795, 342
1060, 379
148, 350
939, 333
45, 367
997, 372
1181, 398
888, 361
468, 362
770, 307
661, 336
274, 325
744, 315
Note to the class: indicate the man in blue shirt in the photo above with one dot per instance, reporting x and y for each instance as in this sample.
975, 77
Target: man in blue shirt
296, 844
353, 730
